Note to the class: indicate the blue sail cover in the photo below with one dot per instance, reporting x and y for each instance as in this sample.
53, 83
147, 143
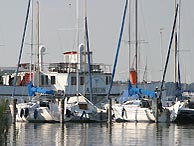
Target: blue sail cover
133, 93
30, 92
33, 90
133, 90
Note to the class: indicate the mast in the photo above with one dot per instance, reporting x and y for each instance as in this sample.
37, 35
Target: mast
38, 43
32, 35
175, 50
169, 50
136, 37
177, 39
129, 35
115, 63
21, 48
118, 48
84, 51
89, 60
77, 45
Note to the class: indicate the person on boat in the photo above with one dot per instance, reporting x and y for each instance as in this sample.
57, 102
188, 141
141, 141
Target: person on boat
190, 104
123, 112
68, 113
11, 79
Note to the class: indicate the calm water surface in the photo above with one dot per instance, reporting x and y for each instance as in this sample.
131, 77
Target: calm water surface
99, 134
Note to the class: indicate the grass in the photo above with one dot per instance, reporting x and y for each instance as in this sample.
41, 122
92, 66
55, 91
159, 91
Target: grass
4, 121
3, 106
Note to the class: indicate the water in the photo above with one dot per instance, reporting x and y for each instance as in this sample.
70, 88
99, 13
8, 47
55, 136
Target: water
99, 134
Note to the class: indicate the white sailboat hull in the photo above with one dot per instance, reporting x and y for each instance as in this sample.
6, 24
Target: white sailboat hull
43, 115
132, 114
31, 112
79, 109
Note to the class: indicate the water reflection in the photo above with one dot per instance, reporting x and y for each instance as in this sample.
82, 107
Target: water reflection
89, 134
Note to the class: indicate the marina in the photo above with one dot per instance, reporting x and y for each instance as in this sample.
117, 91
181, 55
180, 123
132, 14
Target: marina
79, 75
127, 133
78, 99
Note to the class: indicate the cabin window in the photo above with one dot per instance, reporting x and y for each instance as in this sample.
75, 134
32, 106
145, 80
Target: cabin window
46, 80
83, 106
108, 78
42, 79
73, 80
1, 80
53, 80
81, 80
11, 80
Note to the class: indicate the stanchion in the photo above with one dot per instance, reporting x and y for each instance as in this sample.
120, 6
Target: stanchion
110, 112
13, 110
61, 110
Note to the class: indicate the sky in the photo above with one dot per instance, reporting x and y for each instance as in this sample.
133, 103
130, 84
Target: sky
58, 22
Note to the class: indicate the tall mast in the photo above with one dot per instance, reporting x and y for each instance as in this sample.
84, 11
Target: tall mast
115, 64
129, 35
88, 57
21, 48
77, 45
169, 50
178, 48
38, 43
32, 35
84, 51
175, 49
136, 37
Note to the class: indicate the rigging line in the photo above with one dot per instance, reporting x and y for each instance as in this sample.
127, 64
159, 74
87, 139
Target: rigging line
22, 44
144, 27
145, 72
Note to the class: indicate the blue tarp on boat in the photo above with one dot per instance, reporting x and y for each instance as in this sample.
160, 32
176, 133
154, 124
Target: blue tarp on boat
33, 90
134, 93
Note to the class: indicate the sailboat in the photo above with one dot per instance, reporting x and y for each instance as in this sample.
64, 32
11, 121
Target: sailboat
41, 105
183, 111
134, 105
78, 108
139, 105
130, 108
173, 109
186, 109
44, 103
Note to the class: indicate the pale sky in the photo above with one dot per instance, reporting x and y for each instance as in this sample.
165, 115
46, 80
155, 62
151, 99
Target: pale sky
57, 33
